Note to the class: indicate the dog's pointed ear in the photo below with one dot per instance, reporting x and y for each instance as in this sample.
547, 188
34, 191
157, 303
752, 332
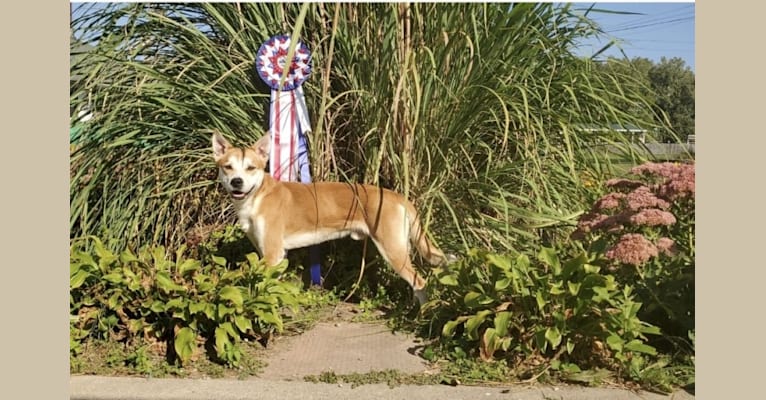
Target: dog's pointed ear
220, 145
263, 146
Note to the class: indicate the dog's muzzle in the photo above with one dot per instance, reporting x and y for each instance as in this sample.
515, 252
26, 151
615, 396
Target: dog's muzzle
236, 189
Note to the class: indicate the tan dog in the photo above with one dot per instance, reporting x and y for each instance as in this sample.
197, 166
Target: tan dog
278, 216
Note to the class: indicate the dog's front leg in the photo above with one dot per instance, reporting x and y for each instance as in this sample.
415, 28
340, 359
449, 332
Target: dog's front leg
272, 246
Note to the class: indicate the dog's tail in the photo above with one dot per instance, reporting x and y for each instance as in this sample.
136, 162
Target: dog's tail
418, 238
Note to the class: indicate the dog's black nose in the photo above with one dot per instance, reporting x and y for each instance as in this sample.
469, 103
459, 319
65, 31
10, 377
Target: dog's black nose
236, 183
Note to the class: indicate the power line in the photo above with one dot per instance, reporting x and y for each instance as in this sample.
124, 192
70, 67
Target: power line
646, 25
670, 14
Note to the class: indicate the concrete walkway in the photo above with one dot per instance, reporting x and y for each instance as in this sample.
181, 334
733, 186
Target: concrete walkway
342, 347
108, 388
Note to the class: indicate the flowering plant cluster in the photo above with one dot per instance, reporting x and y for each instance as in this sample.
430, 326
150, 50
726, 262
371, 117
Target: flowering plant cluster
644, 227
644, 214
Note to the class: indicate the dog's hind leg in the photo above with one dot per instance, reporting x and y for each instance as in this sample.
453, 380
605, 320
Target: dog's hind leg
397, 256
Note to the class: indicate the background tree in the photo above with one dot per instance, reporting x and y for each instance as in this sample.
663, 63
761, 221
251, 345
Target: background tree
667, 87
673, 84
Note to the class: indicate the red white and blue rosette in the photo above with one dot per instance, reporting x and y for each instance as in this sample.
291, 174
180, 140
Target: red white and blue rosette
288, 116
272, 59
288, 120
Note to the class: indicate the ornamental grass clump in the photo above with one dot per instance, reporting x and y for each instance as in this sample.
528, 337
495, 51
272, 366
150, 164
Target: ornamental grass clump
644, 227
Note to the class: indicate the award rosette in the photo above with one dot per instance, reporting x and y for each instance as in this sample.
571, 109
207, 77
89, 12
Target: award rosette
288, 116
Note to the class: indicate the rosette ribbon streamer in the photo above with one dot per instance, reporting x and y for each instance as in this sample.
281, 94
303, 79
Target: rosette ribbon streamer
288, 117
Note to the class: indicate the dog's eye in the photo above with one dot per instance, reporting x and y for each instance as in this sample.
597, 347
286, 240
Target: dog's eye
227, 167
250, 168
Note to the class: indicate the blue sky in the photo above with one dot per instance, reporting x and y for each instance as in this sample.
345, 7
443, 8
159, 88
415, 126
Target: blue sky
664, 30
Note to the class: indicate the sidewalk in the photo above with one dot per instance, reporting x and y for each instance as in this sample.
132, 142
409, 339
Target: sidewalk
107, 388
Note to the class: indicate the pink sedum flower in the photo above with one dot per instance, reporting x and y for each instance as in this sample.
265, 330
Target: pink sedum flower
642, 197
678, 180
667, 246
633, 249
652, 217
610, 201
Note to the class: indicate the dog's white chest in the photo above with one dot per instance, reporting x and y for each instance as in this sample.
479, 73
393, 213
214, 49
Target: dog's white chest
249, 221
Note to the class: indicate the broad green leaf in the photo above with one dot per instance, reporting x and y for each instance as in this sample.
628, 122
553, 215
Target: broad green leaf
243, 323
189, 265
115, 301
87, 259
221, 341
210, 311
502, 284
574, 288
229, 328
601, 294
127, 256
449, 328
541, 341
488, 344
197, 306
105, 256
223, 310
570, 368
591, 269
473, 323
570, 346
502, 262
502, 323
650, 329
553, 335
78, 279
615, 342
135, 325
476, 300
573, 265
448, 280
157, 307
638, 346
232, 294
541, 302
165, 283
505, 343
185, 343
270, 318
556, 289
522, 262
218, 260
232, 276
158, 256
130, 276
206, 286
253, 260
114, 277
548, 256
177, 303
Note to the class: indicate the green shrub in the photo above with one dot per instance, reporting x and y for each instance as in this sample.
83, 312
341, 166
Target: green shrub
569, 313
185, 302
